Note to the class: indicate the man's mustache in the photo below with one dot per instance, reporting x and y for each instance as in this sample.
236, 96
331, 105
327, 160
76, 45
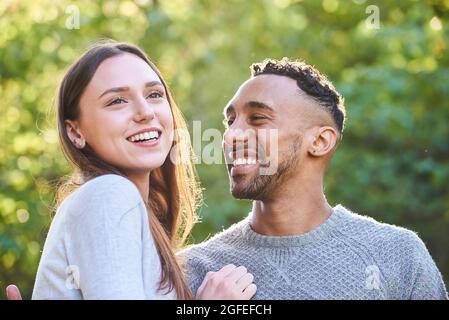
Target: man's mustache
244, 149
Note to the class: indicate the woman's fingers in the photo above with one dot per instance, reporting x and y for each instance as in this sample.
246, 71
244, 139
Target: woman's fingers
217, 278
236, 274
13, 293
226, 270
249, 292
245, 281
229, 283
212, 280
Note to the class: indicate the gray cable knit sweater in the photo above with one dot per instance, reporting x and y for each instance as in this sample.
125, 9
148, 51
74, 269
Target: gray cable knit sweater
347, 257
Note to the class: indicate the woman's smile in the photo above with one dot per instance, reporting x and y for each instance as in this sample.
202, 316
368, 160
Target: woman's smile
149, 137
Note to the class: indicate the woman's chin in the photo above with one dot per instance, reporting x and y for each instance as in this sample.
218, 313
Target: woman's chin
152, 163
143, 164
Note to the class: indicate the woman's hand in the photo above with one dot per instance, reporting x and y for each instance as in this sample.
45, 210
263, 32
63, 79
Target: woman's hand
229, 283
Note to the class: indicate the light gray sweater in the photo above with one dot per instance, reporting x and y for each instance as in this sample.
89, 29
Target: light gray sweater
347, 257
100, 246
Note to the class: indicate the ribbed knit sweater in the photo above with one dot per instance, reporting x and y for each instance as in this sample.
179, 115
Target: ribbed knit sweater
349, 256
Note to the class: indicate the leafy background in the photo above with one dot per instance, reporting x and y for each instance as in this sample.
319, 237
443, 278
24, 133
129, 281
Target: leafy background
392, 164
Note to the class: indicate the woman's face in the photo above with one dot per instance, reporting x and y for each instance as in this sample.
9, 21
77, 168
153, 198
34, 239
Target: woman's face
125, 116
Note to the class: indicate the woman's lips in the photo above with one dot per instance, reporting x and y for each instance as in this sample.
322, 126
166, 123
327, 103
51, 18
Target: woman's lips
146, 143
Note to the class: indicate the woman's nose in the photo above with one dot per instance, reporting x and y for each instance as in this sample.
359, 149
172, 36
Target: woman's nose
144, 111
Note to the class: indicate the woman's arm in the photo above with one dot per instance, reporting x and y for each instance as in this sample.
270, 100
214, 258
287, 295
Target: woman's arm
107, 260
105, 242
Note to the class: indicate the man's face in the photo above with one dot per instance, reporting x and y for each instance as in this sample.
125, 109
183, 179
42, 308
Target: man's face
265, 120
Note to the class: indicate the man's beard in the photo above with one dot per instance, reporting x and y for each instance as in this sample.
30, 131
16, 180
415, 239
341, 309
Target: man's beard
262, 187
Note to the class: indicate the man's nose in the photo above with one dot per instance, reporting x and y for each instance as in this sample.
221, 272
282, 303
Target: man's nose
239, 137
235, 134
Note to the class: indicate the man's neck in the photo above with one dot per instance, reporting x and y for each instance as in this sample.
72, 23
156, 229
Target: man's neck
299, 206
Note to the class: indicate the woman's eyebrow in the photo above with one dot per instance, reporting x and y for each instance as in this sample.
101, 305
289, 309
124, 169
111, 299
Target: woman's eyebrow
116, 89
153, 83
122, 89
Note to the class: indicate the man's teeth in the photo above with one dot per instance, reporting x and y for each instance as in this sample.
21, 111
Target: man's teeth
149, 135
244, 161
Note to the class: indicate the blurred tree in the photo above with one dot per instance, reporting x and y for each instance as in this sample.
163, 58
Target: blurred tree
392, 164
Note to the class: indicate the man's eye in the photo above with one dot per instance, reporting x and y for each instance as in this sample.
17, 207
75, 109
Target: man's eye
255, 118
228, 122
155, 95
117, 101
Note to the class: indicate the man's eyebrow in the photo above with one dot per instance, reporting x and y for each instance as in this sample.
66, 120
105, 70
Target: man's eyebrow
121, 89
259, 105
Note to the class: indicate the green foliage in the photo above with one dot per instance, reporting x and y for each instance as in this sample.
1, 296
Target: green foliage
392, 163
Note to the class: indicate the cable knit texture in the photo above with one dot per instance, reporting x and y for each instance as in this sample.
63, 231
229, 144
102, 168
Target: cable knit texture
349, 256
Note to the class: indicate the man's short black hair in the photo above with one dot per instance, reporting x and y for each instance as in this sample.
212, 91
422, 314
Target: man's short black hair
308, 79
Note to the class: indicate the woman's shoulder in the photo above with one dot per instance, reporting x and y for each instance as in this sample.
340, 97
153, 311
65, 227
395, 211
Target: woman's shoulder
108, 182
109, 186
110, 192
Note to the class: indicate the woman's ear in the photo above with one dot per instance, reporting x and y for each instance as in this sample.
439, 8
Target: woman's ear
324, 141
75, 134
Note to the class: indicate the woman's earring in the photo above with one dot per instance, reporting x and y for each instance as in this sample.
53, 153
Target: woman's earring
79, 144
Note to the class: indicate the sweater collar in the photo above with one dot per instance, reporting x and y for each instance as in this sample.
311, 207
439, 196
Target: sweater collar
338, 216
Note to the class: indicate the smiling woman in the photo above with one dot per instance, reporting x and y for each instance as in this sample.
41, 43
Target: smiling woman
128, 206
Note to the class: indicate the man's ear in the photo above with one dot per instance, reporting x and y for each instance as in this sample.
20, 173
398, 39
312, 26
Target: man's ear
323, 141
75, 134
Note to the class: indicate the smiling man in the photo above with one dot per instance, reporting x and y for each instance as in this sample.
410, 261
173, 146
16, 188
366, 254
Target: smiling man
294, 243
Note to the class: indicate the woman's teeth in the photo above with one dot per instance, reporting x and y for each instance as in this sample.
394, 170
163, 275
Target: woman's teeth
149, 135
244, 161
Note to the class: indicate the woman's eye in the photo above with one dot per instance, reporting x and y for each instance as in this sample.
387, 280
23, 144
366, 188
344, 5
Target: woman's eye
117, 101
155, 95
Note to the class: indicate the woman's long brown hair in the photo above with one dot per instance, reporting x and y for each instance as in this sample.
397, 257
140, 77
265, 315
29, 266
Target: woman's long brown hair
174, 189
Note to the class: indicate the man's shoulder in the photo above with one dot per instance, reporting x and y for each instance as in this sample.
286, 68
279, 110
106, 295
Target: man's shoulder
382, 239
372, 230
401, 256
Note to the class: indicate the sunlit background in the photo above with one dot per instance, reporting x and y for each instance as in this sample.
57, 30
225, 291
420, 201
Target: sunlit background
388, 58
